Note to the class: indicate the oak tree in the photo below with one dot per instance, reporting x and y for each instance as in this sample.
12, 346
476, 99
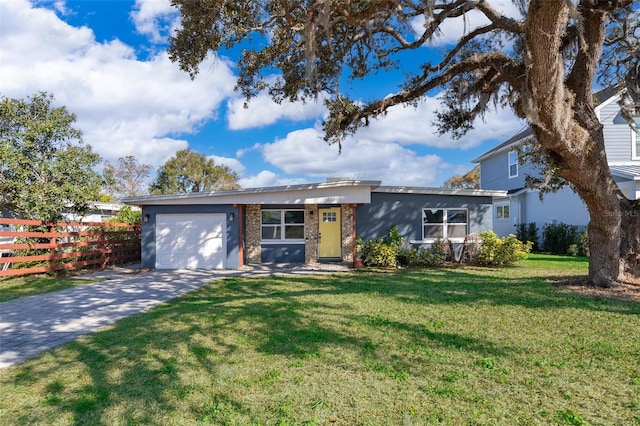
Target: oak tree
45, 169
543, 64
128, 178
469, 180
190, 171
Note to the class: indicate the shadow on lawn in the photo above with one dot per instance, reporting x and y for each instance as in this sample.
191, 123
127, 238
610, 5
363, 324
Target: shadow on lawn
137, 364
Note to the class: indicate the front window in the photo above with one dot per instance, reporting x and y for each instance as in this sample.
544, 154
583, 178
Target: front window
444, 223
513, 164
282, 225
502, 211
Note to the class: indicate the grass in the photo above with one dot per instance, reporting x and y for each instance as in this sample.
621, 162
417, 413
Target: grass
452, 346
17, 287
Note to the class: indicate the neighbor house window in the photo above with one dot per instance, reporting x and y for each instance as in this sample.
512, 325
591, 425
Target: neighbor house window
282, 225
444, 223
513, 164
502, 211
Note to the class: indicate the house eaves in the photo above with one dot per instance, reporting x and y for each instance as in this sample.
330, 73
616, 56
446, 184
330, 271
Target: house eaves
330, 192
440, 191
626, 171
507, 145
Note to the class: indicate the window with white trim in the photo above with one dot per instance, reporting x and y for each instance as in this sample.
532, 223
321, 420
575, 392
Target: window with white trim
502, 211
282, 225
513, 164
329, 216
444, 223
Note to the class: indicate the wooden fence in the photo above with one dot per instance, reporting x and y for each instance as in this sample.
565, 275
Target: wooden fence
33, 247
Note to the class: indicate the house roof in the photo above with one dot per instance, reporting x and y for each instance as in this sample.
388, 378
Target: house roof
627, 171
506, 145
599, 99
332, 191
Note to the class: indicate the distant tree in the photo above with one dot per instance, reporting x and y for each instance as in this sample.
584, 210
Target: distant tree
543, 63
129, 178
45, 169
190, 171
469, 180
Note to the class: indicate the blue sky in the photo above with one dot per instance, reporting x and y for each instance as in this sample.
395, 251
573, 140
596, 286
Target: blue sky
106, 62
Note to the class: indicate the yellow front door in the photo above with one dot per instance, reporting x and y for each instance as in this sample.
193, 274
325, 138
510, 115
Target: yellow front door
329, 241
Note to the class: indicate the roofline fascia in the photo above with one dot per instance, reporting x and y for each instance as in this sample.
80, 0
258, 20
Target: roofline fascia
269, 189
498, 151
440, 191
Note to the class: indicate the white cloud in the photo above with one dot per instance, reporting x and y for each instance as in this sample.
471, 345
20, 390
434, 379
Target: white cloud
156, 19
414, 125
124, 106
242, 151
262, 111
305, 152
268, 178
232, 163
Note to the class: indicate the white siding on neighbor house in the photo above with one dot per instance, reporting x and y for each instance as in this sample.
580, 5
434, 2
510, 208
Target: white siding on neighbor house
617, 132
617, 140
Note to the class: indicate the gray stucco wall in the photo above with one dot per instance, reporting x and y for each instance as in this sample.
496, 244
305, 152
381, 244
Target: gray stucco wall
405, 210
148, 230
283, 253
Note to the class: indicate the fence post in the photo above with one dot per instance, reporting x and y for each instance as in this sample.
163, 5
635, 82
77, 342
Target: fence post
103, 246
53, 241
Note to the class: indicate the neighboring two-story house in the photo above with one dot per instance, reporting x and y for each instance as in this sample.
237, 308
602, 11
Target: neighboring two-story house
501, 170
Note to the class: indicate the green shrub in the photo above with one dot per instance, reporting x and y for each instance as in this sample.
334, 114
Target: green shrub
406, 256
127, 215
528, 232
393, 238
377, 253
422, 256
383, 252
560, 238
496, 251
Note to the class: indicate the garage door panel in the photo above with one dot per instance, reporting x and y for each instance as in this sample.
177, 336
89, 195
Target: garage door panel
190, 241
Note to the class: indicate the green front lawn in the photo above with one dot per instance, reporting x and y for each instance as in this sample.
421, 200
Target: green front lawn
450, 346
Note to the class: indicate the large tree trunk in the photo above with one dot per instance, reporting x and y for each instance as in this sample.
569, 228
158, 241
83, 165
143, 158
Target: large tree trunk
630, 241
560, 109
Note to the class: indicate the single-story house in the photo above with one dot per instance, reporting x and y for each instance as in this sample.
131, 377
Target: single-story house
304, 223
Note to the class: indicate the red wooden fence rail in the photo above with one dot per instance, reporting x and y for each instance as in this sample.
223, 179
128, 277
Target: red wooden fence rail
33, 247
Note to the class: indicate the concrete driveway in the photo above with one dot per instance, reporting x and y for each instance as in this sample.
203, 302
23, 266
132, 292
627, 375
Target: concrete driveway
31, 325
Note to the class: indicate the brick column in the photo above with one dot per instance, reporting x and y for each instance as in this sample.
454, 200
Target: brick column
252, 237
311, 233
347, 211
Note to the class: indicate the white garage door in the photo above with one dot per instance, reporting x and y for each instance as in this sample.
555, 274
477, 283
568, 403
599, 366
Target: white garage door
191, 241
